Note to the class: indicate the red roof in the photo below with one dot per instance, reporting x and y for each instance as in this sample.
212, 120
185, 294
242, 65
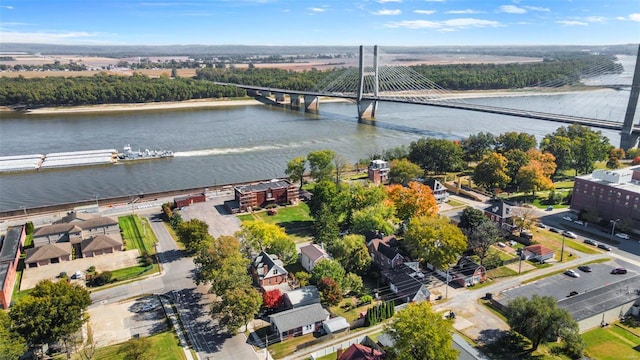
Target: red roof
361, 352
538, 249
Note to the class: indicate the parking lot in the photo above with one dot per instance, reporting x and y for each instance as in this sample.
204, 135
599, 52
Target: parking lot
118, 322
213, 212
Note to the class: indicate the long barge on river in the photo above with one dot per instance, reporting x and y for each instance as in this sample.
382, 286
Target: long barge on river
15, 163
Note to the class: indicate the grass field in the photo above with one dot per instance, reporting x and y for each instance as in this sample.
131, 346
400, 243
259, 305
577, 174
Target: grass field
133, 272
611, 343
295, 220
163, 346
135, 235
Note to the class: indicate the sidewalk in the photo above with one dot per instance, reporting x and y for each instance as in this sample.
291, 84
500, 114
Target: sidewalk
173, 317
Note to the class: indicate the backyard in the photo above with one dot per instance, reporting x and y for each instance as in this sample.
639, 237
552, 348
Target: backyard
295, 220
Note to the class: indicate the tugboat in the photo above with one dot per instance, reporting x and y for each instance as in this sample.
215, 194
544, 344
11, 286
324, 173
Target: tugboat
130, 155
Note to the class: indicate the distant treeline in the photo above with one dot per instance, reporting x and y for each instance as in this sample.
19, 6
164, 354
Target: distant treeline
104, 89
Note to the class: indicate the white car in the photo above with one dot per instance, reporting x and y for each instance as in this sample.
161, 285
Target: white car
569, 234
568, 218
623, 236
572, 273
579, 222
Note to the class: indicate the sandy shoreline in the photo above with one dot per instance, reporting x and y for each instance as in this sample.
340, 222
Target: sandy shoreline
213, 103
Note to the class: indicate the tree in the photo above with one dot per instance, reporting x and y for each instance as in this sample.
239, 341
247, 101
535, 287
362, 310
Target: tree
352, 253
419, 333
436, 155
357, 196
540, 319
402, 171
577, 147
412, 201
481, 237
615, 155
236, 307
471, 218
516, 159
222, 265
560, 146
435, 240
525, 219
353, 284
340, 165
377, 217
272, 299
531, 178
328, 269
476, 146
285, 248
12, 345
137, 349
515, 141
295, 169
193, 234
303, 278
263, 236
330, 292
38, 319
320, 164
491, 171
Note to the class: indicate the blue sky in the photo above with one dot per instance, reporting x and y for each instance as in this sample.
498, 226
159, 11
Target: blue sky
321, 22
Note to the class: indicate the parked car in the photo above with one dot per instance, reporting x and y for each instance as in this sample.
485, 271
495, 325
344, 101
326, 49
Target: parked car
623, 236
541, 225
579, 222
619, 271
568, 218
554, 230
572, 273
604, 247
573, 293
148, 307
77, 275
590, 242
549, 208
584, 268
569, 234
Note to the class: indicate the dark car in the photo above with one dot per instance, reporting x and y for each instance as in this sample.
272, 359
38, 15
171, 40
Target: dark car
554, 230
619, 271
590, 242
585, 268
604, 247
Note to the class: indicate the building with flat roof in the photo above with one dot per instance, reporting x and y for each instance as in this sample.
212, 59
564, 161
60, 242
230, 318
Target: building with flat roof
10, 249
611, 194
260, 195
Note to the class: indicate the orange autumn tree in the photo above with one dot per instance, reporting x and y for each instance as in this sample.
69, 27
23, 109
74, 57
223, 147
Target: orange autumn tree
413, 200
537, 174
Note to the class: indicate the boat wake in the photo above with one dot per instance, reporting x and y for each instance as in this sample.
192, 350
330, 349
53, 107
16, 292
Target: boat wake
227, 151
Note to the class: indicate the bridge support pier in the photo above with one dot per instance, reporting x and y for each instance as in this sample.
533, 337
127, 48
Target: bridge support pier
628, 139
311, 103
279, 96
367, 108
294, 101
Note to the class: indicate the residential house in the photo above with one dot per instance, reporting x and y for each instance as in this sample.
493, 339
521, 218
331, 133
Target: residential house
268, 270
48, 254
467, 273
536, 253
378, 171
249, 197
298, 321
407, 283
80, 228
99, 245
310, 255
10, 249
360, 352
303, 296
439, 191
502, 215
384, 252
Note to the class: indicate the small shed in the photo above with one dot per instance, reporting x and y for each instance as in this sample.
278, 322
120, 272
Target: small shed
537, 253
335, 325
182, 201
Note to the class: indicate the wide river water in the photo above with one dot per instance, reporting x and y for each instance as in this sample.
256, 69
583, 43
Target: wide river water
243, 143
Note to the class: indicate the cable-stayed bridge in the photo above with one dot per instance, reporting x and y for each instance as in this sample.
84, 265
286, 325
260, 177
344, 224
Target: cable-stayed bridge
368, 85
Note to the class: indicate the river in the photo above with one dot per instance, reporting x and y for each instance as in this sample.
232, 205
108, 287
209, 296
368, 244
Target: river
242, 143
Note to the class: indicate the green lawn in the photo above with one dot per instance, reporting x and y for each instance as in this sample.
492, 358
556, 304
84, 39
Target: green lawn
136, 235
353, 313
164, 345
295, 220
133, 272
500, 272
284, 348
612, 342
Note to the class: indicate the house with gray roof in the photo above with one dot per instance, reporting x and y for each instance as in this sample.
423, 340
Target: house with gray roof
99, 245
407, 283
384, 252
501, 214
268, 270
439, 191
299, 321
48, 254
310, 255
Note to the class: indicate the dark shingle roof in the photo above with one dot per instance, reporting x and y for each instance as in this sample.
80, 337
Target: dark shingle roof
279, 184
501, 209
313, 252
298, 317
465, 267
11, 243
97, 222
54, 229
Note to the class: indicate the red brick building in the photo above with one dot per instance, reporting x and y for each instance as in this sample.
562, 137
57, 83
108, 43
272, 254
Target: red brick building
10, 249
187, 200
378, 171
248, 197
268, 270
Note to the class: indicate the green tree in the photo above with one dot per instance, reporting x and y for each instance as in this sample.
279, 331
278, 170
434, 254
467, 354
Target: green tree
222, 265
419, 333
321, 164
263, 236
137, 349
577, 147
540, 319
491, 172
477, 146
303, 278
377, 217
38, 319
353, 284
12, 345
328, 269
559, 145
295, 169
515, 141
193, 234
285, 248
516, 159
436, 155
435, 240
359, 196
236, 307
481, 237
471, 218
352, 253
402, 171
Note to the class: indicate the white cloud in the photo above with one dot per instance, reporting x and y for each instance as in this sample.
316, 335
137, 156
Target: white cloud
465, 11
537, 8
389, 1
387, 12
512, 9
596, 19
8, 7
435, 0
447, 25
634, 17
572, 22
43, 37
424, 12
318, 10
621, 18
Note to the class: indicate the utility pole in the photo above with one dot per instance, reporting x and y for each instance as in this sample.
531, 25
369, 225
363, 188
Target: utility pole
613, 229
562, 251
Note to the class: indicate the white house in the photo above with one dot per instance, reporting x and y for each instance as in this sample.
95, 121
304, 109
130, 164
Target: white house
310, 255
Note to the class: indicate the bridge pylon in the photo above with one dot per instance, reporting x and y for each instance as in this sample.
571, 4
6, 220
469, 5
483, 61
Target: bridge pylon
367, 108
628, 139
